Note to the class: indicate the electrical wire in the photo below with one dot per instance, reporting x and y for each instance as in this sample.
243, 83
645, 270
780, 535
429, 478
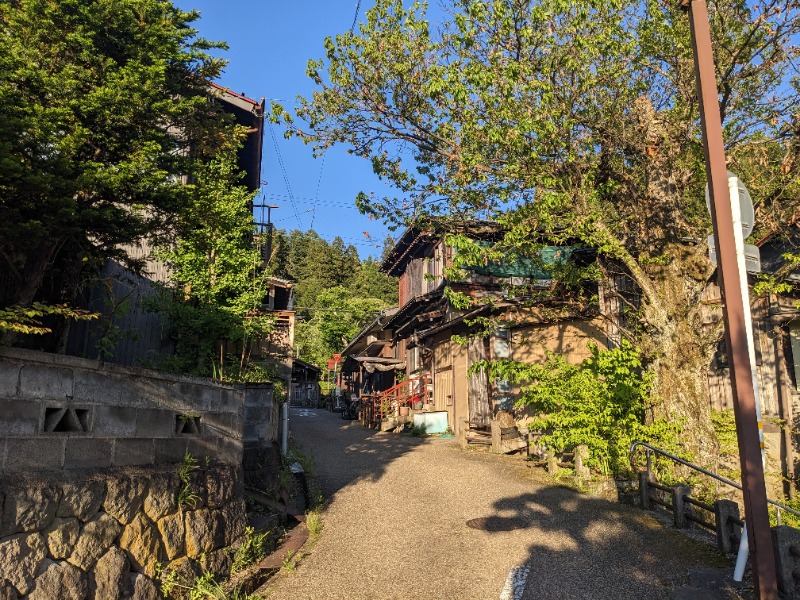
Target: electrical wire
301, 200
355, 18
285, 176
316, 195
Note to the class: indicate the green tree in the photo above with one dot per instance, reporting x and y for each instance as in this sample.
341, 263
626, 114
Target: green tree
573, 122
217, 286
335, 292
369, 282
600, 403
105, 107
336, 319
315, 264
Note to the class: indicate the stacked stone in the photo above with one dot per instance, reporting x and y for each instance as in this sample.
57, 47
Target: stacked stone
108, 536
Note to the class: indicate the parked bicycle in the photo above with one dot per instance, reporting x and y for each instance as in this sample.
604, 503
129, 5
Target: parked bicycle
350, 410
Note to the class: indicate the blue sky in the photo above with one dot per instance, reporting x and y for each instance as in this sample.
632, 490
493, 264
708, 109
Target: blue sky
270, 44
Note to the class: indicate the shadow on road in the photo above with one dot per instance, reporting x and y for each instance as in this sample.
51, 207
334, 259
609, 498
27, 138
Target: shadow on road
587, 547
344, 451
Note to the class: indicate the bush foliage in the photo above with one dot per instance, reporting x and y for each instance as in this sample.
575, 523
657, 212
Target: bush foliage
602, 403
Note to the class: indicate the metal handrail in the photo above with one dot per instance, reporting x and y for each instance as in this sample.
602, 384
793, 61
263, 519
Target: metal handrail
720, 478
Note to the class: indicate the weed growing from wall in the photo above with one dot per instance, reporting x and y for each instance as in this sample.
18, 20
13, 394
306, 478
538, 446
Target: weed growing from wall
186, 497
254, 548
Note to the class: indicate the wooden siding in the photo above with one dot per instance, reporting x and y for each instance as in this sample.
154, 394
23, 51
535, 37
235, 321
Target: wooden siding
720, 395
144, 337
478, 386
402, 291
569, 338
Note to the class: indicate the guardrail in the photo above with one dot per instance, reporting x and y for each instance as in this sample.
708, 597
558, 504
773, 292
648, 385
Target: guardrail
722, 517
700, 469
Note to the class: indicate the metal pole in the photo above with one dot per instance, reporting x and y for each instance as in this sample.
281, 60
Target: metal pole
754, 490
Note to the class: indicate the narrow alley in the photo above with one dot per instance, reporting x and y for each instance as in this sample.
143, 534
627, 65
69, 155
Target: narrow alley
399, 516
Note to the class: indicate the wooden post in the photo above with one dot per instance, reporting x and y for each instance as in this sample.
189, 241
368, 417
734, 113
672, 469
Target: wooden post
644, 490
552, 462
724, 511
679, 505
463, 428
581, 457
785, 403
497, 437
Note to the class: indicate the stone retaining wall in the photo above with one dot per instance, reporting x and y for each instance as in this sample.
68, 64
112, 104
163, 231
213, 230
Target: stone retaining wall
90, 456
107, 535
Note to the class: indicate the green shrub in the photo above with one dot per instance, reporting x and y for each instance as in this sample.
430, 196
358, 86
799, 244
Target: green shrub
601, 403
419, 430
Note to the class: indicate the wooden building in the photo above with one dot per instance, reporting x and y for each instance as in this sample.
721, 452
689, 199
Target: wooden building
427, 337
434, 341
371, 362
305, 390
121, 296
776, 333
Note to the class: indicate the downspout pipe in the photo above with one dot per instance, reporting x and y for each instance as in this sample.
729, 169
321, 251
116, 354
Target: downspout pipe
285, 420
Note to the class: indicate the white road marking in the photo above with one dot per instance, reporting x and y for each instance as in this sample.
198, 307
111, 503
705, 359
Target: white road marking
303, 413
515, 583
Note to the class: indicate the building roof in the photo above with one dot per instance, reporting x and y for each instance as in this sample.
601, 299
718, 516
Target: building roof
301, 364
415, 240
376, 325
412, 308
372, 364
250, 114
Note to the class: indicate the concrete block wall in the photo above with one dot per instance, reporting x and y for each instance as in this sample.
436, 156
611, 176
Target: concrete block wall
61, 413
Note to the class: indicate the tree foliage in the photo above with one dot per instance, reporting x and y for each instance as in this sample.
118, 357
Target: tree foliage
29, 320
602, 403
336, 293
101, 102
218, 284
573, 122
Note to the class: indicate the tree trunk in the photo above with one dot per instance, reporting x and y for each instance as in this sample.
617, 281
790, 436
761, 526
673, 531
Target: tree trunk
27, 279
681, 347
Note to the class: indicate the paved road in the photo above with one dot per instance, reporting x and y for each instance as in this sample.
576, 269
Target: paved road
396, 528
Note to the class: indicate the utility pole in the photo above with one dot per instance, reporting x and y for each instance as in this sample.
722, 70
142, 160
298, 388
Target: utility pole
753, 487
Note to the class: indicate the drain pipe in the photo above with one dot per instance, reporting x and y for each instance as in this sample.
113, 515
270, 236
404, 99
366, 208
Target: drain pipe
738, 236
285, 428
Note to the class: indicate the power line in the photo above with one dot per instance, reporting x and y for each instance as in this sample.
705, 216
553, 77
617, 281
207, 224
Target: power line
355, 18
285, 176
316, 195
302, 200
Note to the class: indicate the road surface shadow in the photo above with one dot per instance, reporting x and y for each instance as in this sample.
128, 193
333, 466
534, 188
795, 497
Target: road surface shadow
344, 451
585, 547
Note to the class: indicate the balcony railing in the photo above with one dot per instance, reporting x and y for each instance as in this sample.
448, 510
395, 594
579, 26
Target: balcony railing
414, 393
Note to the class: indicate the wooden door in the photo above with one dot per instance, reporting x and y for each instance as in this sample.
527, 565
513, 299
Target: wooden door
478, 386
443, 392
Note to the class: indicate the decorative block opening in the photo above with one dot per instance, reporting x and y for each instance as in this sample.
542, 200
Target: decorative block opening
187, 425
66, 420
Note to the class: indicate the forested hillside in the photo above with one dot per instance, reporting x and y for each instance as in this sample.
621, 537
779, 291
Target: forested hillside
336, 293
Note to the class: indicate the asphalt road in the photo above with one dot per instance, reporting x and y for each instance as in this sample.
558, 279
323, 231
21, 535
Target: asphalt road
396, 527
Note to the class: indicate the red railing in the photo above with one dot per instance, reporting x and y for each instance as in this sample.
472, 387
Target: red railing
376, 407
